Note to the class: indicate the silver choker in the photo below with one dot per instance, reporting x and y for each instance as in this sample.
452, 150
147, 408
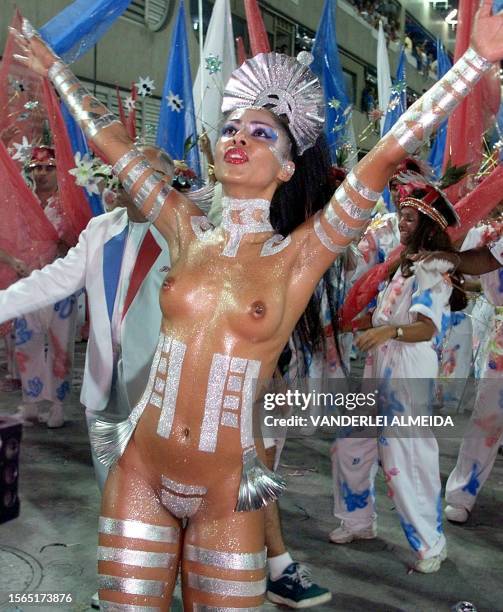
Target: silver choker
246, 211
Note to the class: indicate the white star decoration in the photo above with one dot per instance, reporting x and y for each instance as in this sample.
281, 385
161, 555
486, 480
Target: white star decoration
129, 104
22, 151
145, 86
174, 102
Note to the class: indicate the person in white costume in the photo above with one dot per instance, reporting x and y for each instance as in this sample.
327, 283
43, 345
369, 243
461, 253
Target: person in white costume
408, 314
120, 346
484, 433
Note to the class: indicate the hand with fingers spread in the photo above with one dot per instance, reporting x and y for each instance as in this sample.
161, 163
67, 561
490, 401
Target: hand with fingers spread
36, 54
487, 33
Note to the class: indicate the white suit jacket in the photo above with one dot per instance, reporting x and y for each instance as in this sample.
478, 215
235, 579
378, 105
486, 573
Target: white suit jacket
83, 266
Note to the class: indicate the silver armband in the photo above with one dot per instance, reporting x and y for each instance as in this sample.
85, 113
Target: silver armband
363, 190
479, 62
148, 186
324, 238
124, 161
160, 200
338, 224
135, 174
54, 72
96, 125
406, 137
357, 213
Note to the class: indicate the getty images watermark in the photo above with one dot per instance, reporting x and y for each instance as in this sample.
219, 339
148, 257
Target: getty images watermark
363, 408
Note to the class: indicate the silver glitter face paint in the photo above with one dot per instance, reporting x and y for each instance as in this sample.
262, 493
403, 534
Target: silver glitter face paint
112, 606
131, 586
138, 530
175, 353
225, 560
128, 556
324, 238
228, 588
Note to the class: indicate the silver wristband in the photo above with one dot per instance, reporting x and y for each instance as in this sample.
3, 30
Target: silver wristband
55, 69
135, 174
324, 238
479, 62
124, 161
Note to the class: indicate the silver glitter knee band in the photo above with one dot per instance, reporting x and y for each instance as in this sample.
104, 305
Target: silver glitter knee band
324, 238
113, 606
135, 173
138, 530
140, 558
363, 190
228, 588
225, 560
357, 213
131, 586
204, 608
338, 224
160, 199
124, 161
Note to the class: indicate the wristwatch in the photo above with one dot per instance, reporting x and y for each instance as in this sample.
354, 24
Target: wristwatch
398, 333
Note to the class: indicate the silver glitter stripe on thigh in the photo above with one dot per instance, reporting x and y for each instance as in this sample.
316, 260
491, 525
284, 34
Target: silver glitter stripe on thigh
160, 200
123, 162
363, 190
251, 376
228, 588
151, 183
140, 558
357, 213
339, 225
135, 173
138, 530
225, 560
323, 237
204, 608
175, 362
131, 586
183, 489
213, 405
112, 606
181, 507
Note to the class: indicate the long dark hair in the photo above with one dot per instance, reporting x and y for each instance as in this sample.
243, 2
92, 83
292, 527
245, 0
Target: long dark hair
308, 191
429, 236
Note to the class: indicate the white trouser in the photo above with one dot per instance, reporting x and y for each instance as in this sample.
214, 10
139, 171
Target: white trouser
479, 448
411, 471
46, 375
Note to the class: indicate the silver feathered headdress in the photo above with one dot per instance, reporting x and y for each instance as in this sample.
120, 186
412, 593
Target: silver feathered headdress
286, 87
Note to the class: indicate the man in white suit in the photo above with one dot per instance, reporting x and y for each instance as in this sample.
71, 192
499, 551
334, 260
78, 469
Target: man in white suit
121, 260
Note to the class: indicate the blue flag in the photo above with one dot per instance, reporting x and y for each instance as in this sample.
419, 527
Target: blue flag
79, 26
327, 67
79, 144
177, 121
397, 105
436, 157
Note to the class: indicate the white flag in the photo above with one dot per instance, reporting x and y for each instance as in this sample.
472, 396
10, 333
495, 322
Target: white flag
383, 75
218, 61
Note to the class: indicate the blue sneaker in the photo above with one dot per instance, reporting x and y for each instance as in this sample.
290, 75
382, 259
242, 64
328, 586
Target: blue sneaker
295, 589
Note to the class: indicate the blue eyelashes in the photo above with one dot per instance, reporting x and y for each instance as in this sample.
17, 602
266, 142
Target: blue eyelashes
255, 130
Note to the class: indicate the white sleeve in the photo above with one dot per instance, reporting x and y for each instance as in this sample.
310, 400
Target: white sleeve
43, 287
496, 249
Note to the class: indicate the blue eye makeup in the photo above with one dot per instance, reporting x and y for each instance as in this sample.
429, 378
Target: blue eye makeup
264, 131
229, 129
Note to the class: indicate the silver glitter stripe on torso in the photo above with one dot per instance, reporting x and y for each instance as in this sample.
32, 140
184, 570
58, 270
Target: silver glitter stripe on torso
175, 359
225, 560
138, 530
139, 558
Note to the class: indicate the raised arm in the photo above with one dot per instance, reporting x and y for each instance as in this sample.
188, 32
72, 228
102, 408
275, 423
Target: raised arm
344, 218
159, 203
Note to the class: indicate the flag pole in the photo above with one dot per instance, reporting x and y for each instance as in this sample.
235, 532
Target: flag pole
201, 65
